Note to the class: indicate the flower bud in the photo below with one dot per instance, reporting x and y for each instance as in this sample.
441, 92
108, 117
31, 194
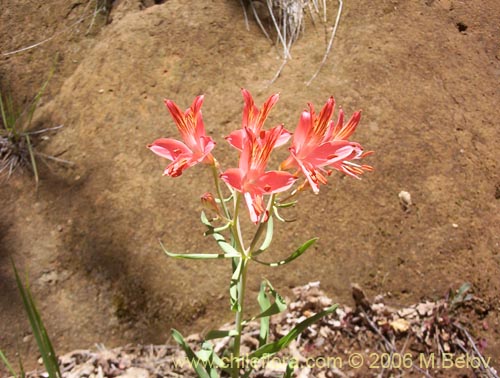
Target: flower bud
208, 202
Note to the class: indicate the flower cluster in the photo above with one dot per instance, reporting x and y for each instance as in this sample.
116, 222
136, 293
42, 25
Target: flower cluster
319, 146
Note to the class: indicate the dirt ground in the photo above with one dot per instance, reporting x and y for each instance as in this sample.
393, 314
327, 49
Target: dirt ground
425, 73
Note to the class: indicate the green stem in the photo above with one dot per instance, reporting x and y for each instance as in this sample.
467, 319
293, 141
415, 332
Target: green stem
235, 363
235, 228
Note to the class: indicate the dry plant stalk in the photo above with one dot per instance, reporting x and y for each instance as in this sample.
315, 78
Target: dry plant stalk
287, 20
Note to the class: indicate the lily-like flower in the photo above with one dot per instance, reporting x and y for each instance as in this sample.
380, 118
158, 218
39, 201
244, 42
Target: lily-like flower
320, 145
251, 179
253, 120
197, 145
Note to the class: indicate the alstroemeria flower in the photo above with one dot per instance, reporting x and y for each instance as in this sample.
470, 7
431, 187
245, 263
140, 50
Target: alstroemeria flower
253, 119
251, 179
320, 145
197, 145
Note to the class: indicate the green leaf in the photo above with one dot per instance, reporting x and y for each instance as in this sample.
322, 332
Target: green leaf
205, 220
286, 204
264, 304
278, 345
219, 334
22, 374
277, 215
213, 230
194, 360
299, 251
234, 285
32, 159
39, 332
198, 256
210, 359
279, 304
268, 239
224, 245
290, 367
7, 364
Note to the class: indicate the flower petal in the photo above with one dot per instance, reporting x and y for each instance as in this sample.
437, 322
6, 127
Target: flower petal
275, 182
169, 148
303, 128
237, 139
234, 178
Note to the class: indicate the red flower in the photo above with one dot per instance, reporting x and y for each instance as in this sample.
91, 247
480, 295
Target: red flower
197, 145
251, 179
320, 145
253, 119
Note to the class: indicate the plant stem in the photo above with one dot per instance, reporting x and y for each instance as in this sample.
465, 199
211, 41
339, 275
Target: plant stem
235, 363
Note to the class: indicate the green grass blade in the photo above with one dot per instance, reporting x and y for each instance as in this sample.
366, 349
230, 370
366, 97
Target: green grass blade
39, 332
2, 110
7, 364
22, 374
36, 100
290, 367
33, 160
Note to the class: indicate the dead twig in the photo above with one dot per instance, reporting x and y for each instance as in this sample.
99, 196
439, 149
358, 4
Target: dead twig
389, 345
485, 367
330, 44
79, 21
247, 26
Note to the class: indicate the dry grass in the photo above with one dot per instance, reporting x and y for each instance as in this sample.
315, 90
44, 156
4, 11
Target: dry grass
286, 19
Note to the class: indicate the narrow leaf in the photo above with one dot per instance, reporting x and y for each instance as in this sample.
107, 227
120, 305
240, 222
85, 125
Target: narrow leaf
196, 363
205, 220
278, 345
224, 245
234, 290
268, 239
264, 304
278, 306
33, 160
7, 364
219, 334
277, 215
299, 251
39, 332
290, 367
198, 256
285, 204
206, 355
212, 230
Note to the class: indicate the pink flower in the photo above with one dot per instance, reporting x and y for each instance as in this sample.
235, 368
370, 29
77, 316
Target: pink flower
253, 119
197, 145
320, 145
251, 179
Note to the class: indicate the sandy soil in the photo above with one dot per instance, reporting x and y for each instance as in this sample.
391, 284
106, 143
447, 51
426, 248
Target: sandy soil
425, 74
